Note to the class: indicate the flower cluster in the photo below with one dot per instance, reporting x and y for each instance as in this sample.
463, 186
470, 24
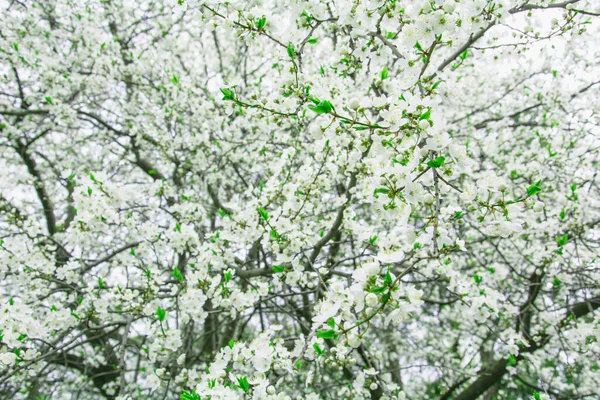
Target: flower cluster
270, 199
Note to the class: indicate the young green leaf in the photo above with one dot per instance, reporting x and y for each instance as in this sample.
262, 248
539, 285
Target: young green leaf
190, 396
243, 384
160, 314
227, 94
260, 23
278, 268
556, 282
562, 240
534, 189
380, 191
177, 274
318, 350
372, 240
436, 163
324, 107
326, 334
384, 73
263, 213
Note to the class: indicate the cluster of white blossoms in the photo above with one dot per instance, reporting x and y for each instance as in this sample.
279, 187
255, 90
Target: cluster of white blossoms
271, 199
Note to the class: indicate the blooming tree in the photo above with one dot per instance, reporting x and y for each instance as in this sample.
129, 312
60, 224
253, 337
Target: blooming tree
266, 199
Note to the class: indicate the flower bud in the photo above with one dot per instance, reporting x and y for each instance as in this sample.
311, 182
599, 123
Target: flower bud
354, 340
371, 300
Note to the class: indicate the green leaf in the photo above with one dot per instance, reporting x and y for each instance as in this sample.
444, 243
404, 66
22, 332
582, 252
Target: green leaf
438, 162
388, 278
100, 283
425, 115
385, 297
326, 334
556, 282
478, 279
512, 361
243, 384
331, 322
160, 314
177, 274
384, 73
377, 289
291, 50
227, 94
278, 268
260, 23
534, 189
312, 40
562, 240
380, 191
324, 107
314, 99
189, 395
372, 240
563, 214
317, 350
263, 213
48, 100
464, 55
